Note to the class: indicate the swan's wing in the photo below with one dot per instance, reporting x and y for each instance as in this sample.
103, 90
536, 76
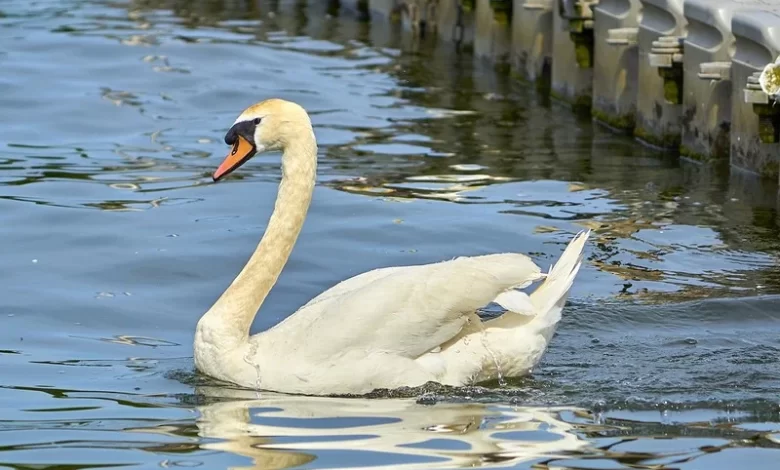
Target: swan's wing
405, 311
352, 284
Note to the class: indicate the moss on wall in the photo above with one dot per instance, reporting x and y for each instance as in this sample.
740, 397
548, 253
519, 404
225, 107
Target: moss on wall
624, 122
580, 103
667, 141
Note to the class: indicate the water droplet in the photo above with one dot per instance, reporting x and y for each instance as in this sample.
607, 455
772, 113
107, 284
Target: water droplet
691, 341
34, 261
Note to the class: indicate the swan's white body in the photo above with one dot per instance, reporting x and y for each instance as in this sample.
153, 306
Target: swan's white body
386, 328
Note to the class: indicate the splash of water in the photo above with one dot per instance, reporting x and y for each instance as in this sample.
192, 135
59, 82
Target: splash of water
483, 339
251, 353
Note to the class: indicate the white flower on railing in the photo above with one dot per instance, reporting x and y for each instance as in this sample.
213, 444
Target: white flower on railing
770, 79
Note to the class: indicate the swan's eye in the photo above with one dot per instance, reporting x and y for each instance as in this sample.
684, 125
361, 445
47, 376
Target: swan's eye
257, 121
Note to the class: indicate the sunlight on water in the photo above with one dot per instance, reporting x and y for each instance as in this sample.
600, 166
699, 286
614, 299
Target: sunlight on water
117, 241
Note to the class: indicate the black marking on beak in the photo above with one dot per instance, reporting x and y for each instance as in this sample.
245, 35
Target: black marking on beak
245, 129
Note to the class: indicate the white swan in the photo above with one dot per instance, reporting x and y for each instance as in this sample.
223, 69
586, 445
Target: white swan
386, 328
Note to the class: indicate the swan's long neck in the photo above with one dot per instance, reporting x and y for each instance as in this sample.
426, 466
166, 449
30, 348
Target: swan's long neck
231, 316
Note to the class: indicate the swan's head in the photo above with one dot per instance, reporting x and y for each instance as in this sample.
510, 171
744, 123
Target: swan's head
268, 125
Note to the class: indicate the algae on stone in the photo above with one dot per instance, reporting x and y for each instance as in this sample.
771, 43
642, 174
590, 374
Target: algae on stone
624, 122
668, 141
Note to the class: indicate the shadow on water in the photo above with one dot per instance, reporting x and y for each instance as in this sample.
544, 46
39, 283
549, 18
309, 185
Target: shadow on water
667, 353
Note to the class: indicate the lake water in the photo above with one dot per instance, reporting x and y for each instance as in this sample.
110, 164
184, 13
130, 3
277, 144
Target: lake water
115, 241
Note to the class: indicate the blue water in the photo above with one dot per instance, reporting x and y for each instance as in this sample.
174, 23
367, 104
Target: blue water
115, 241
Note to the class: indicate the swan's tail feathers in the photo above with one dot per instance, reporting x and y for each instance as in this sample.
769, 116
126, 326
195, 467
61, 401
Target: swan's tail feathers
515, 301
550, 297
553, 291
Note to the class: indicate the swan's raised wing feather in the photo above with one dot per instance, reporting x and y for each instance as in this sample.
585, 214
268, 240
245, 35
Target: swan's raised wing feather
405, 311
353, 283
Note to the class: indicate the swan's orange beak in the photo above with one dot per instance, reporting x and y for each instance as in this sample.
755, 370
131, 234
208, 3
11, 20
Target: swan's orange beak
241, 152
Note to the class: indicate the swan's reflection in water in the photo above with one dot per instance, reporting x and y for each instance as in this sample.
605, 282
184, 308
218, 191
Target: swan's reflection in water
280, 431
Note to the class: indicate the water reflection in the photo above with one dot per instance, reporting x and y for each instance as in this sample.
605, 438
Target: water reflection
275, 431
280, 431
399, 432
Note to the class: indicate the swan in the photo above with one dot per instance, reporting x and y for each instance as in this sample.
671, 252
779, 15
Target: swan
386, 328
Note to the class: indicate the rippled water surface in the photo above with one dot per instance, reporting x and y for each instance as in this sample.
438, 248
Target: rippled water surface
115, 241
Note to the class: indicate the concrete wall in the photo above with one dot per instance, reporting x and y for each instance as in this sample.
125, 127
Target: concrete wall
674, 75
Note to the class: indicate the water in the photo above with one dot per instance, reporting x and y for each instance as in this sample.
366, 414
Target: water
115, 241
